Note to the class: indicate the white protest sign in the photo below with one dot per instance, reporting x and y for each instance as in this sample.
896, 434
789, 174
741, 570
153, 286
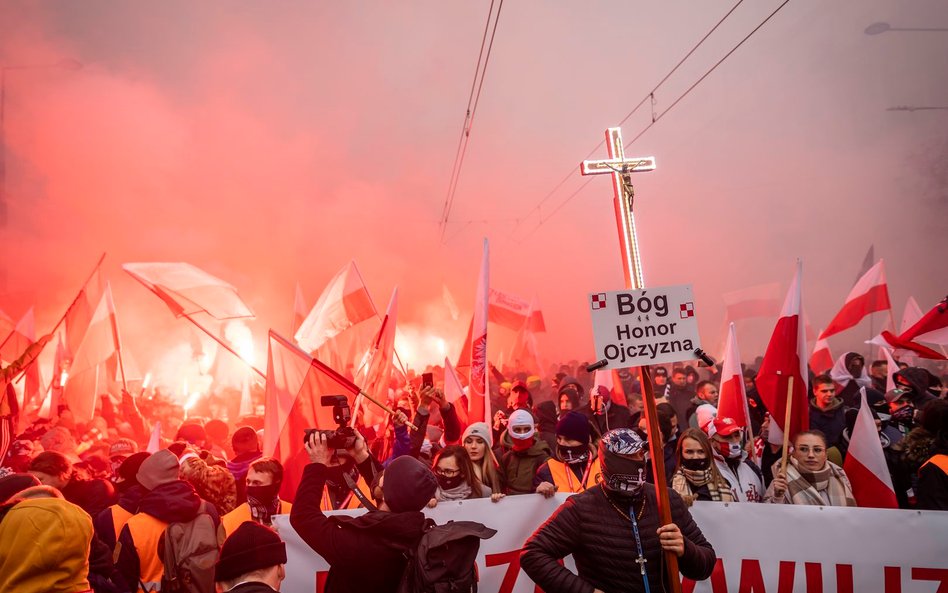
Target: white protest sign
644, 327
760, 548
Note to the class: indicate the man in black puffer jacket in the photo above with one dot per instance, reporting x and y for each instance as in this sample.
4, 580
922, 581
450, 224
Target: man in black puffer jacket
596, 527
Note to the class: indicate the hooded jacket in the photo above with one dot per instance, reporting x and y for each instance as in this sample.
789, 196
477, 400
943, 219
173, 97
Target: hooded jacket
518, 468
137, 548
830, 422
44, 546
364, 553
919, 379
109, 523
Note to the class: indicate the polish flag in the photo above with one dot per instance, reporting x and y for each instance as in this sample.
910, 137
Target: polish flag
932, 328
98, 345
865, 463
344, 303
786, 357
80, 312
377, 372
478, 403
869, 295
891, 369
761, 300
453, 390
22, 336
514, 312
295, 383
50, 407
732, 400
609, 378
821, 360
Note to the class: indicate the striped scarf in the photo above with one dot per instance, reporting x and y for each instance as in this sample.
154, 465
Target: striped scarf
686, 481
826, 487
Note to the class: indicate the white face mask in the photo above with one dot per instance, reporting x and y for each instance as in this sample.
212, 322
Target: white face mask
522, 436
734, 450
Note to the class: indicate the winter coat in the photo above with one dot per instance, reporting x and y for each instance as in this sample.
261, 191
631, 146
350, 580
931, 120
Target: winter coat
254, 587
518, 468
44, 547
109, 523
744, 477
830, 422
174, 502
932, 490
364, 553
94, 496
603, 546
919, 379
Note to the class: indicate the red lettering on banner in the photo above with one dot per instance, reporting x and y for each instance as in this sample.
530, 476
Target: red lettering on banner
321, 577
718, 580
932, 574
814, 577
844, 578
512, 560
893, 579
785, 577
752, 580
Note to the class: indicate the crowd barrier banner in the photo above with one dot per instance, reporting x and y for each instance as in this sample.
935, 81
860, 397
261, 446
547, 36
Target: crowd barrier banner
761, 548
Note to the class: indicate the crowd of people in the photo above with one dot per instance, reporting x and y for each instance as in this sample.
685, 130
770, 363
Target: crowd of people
87, 507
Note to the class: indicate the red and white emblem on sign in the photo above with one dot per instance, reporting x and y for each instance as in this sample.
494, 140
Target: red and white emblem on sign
599, 301
687, 310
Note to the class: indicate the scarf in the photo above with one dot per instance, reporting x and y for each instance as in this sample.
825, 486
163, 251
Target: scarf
841, 375
826, 487
262, 512
686, 481
461, 492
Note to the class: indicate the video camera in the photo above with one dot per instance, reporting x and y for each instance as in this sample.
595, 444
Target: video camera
344, 436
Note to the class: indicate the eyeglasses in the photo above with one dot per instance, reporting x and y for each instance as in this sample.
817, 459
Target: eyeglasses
448, 473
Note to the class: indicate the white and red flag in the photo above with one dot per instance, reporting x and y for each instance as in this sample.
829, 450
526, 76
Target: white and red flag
344, 303
822, 359
732, 400
514, 312
17, 341
478, 403
865, 462
374, 378
188, 290
932, 328
786, 357
910, 315
869, 295
80, 312
100, 342
295, 383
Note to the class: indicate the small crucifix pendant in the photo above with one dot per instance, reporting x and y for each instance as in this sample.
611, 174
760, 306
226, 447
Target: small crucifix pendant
641, 562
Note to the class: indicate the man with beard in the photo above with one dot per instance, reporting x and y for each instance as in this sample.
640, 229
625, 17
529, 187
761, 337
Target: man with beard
613, 531
264, 479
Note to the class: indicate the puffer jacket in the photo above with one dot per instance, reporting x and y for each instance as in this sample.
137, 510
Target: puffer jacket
600, 539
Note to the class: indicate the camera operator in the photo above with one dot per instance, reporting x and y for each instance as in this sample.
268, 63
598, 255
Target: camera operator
365, 553
357, 464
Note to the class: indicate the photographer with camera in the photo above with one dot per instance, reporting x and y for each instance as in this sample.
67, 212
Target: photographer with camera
348, 543
352, 465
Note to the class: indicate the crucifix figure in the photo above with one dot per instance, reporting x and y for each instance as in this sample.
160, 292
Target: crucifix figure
621, 169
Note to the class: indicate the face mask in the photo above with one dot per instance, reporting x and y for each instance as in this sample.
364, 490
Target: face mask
263, 494
904, 415
571, 455
729, 450
696, 464
451, 483
624, 477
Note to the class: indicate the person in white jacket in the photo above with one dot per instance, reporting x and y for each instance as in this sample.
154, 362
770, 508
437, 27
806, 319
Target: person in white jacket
732, 461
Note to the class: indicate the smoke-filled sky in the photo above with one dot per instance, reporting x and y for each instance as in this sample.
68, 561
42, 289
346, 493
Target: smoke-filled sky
271, 142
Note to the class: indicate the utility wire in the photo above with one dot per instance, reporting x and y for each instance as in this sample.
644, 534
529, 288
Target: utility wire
472, 102
655, 119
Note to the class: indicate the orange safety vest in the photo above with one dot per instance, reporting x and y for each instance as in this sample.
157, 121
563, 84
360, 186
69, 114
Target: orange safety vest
566, 481
146, 531
352, 501
241, 514
941, 461
119, 518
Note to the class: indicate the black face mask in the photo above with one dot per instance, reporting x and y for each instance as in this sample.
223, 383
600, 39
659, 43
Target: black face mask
624, 478
451, 483
571, 455
263, 494
696, 464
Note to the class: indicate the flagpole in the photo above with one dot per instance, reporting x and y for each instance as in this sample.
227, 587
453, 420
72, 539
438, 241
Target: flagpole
224, 345
358, 390
74, 301
786, 427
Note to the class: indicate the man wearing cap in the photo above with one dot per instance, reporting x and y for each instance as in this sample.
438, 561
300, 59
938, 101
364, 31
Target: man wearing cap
364, 553
167, 500
575, 467
252, 560
614, 533
732, 461
603, 413
246, 447
519, 465
109, 523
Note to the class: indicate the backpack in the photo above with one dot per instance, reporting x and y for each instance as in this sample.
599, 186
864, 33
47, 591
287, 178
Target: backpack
444, 559
189, 552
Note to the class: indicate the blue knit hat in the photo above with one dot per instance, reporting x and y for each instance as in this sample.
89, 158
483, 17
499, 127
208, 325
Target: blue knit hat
573, 426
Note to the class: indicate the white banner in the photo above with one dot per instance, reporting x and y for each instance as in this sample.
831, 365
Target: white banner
760, 548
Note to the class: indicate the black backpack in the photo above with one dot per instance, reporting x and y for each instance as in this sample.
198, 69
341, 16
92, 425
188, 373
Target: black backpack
189, 553
444, 559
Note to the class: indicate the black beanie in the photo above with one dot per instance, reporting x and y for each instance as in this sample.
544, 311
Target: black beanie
408, 485
129, 468
250, 547
574, 426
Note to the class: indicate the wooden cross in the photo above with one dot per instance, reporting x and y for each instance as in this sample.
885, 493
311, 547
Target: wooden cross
621, 169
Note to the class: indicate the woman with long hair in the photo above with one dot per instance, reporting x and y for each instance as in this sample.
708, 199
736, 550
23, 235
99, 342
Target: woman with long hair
697, 478
477, 442
456, 477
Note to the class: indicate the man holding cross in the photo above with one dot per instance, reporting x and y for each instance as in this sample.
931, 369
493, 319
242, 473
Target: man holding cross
613, 531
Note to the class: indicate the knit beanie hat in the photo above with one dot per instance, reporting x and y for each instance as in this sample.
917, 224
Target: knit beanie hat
479, 429
250, 547
192, 433
14, 484
408, 485
160, 468
129, 468
574, 427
